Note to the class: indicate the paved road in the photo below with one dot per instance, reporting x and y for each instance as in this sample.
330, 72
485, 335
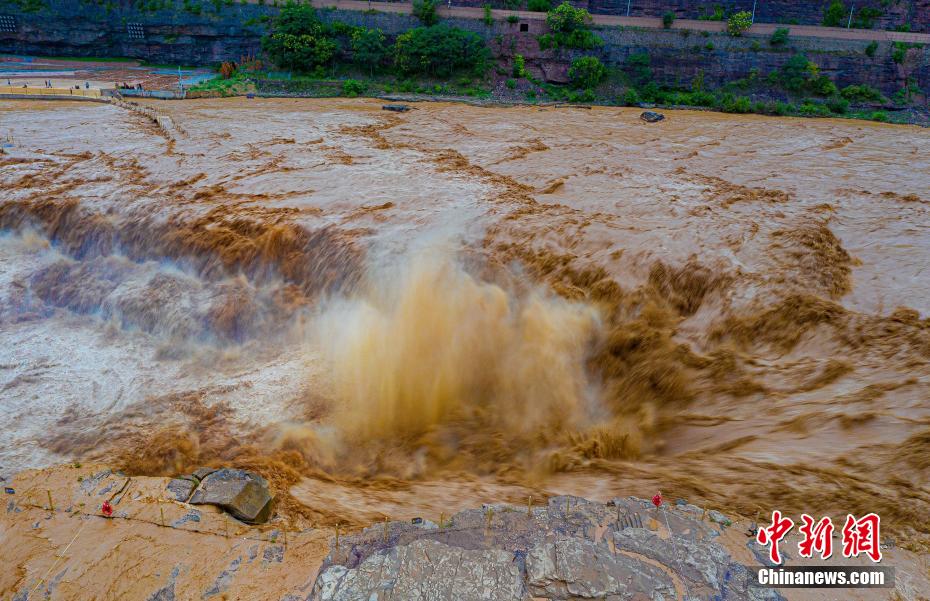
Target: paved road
647, 22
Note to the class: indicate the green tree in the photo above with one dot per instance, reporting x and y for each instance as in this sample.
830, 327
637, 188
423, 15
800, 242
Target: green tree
299, 40
668, 19
565, 18
586, 72
739, 22
368, 48
425, 11
569, 27
835, 14
440, 50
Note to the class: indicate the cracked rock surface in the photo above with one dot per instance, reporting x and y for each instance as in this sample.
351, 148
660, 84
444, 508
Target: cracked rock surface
571, 549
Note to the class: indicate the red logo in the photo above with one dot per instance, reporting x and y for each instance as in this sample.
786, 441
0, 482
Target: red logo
817, 537
772, 535
861, 536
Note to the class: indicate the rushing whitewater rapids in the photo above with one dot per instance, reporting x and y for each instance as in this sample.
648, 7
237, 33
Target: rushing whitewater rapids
385, 313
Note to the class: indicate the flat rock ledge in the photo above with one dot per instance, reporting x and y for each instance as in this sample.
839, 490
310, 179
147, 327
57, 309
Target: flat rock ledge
571, 549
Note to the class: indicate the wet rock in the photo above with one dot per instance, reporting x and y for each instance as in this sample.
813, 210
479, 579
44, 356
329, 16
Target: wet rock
570, 549
425, 569
651, 116
397, 108
243, 494
181, 489
718, 518
572, 567
202, 472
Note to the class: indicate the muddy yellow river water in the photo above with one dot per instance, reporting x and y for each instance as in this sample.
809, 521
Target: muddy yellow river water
398, 313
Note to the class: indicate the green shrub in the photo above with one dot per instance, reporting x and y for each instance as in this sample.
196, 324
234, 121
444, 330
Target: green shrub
440, 50
565, 18
865, 17
539, 6
519, 66
582, 96
838, 105
798, 74
739, 22
631, 98
835, 14
581, 39
699, 98
425, 11
899, 54
709, 46
717, 15
586, 72
511, 83
668, 19
488, 15
780, 37
822, 86
755, 46
353, 88
740, 104
813, 109
879, 116
513, 19
777, 108
861, 93
871, 48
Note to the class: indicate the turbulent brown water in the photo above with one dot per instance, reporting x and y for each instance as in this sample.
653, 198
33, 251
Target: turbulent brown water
381, 311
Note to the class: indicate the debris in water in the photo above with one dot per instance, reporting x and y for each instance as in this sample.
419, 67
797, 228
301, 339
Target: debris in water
397, 108
651, 116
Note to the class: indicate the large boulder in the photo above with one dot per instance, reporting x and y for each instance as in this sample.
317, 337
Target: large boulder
243, 494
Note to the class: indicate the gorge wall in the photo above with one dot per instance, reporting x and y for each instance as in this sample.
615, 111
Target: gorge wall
179, 36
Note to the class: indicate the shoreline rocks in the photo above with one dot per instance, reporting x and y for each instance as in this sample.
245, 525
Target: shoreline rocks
570, 549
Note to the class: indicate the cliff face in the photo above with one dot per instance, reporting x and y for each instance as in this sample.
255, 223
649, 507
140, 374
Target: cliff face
74, 28
801, 12
915, 13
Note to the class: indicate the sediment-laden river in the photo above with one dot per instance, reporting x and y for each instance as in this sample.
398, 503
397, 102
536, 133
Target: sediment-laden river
392, 313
